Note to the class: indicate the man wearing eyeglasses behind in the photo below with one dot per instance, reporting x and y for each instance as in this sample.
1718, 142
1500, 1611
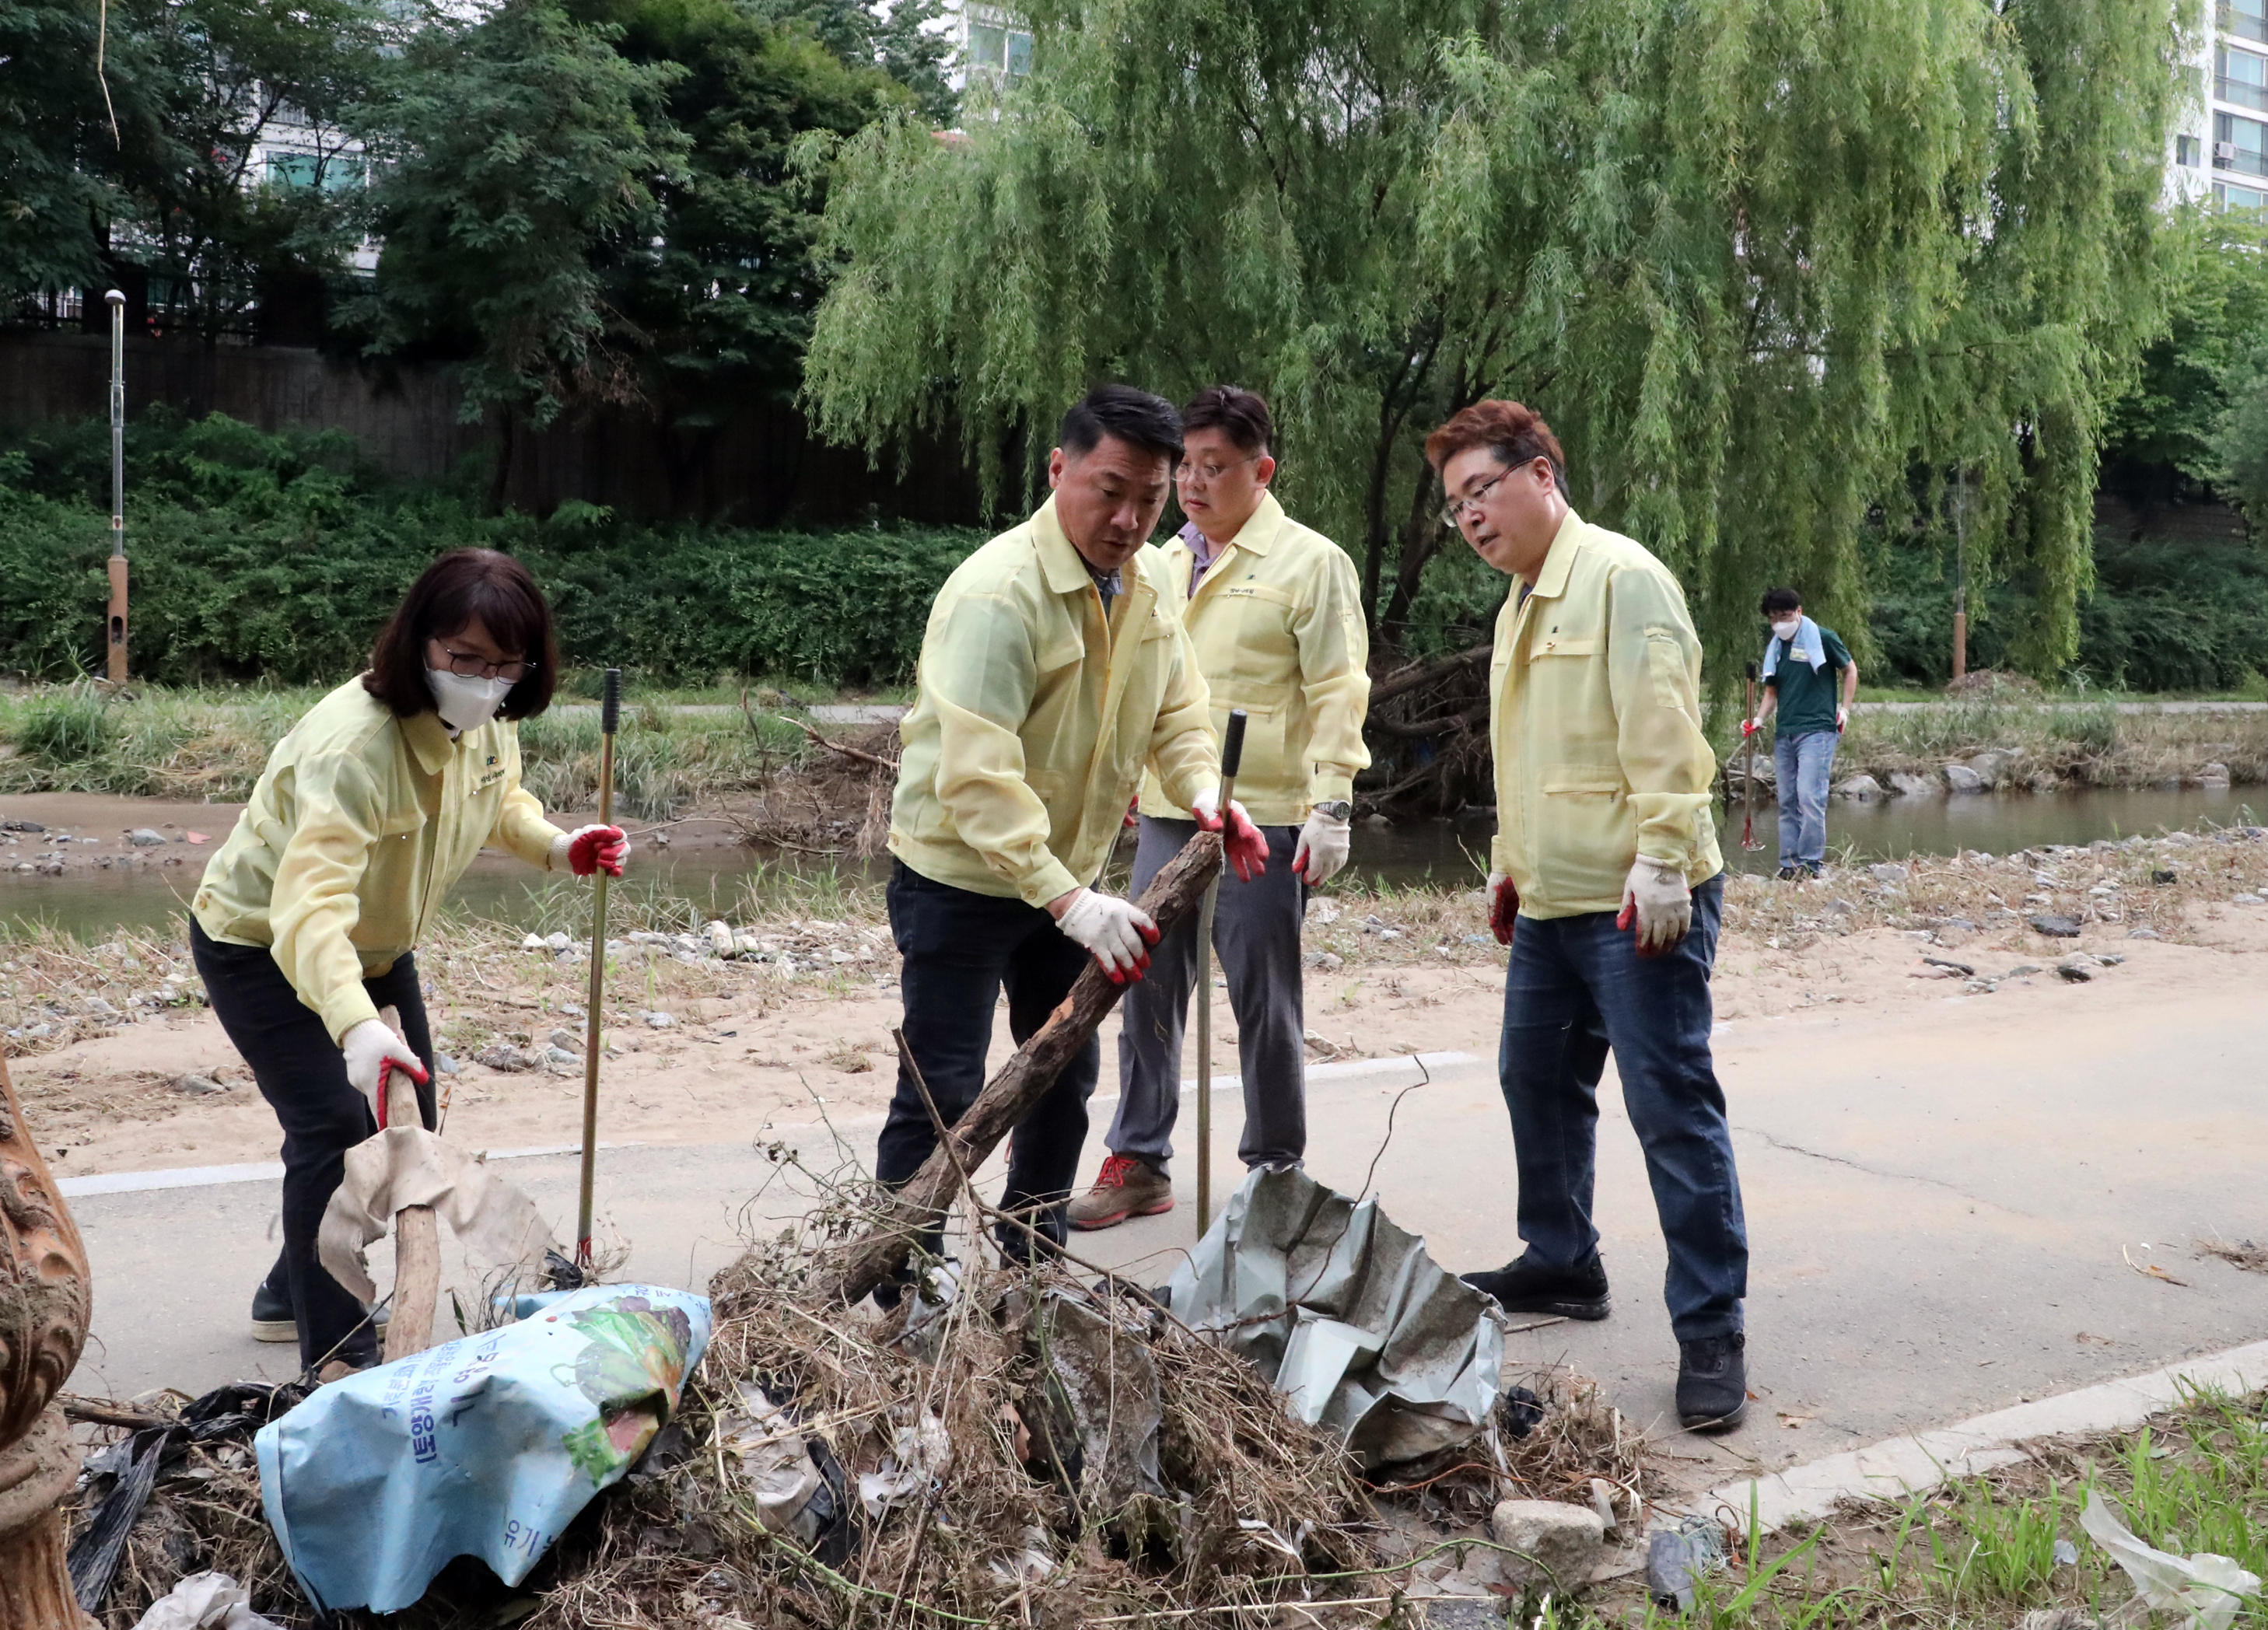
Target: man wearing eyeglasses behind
1054, 672
1274, 614
1606, 882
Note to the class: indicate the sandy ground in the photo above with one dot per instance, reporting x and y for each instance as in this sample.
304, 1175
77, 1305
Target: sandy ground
790, 1054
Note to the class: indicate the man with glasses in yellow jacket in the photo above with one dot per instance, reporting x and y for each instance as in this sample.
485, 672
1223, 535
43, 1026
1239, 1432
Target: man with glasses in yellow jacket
1274, 614
1606, 881
1054, 669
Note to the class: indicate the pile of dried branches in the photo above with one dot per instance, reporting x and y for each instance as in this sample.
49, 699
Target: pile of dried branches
1428, 732
835, 798
974, 1479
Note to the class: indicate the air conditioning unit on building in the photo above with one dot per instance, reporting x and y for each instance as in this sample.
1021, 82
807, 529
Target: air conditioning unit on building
2224, 152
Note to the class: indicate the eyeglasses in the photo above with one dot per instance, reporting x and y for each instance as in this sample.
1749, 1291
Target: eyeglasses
1208, 474
1453, 511
466, 665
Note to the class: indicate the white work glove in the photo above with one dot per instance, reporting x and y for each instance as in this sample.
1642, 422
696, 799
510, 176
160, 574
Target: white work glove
1324, 845
1243, 844
1749, 727
1657, 894
1842, 718
370, 1046
1118, 931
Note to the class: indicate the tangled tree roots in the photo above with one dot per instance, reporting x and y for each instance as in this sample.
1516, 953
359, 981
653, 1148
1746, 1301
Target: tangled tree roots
835, 800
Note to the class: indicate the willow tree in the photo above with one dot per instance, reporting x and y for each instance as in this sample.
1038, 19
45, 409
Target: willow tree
1775, 270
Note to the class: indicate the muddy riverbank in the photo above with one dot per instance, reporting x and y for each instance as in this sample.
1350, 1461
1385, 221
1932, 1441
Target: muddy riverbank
785, 1015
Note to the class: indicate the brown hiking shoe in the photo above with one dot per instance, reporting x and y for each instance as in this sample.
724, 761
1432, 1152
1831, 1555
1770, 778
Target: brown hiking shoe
1125, 1187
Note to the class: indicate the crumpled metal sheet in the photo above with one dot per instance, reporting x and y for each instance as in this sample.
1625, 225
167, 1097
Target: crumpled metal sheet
1347, 1317
410, 1166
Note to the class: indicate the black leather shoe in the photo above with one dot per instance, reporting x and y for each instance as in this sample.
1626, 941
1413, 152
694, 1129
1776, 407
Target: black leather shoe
1713, 1383
1524, 1286
272, 1318
271, 1315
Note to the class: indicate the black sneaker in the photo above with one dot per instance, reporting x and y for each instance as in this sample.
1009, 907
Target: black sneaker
1524, 1286
271, 1315
272, 1319
1713, 1383
1787, 874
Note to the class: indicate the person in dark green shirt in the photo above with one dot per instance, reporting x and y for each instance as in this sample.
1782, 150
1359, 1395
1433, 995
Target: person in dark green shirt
1809, 680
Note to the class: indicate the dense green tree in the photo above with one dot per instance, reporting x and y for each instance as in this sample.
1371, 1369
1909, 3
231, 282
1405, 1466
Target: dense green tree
53, 128
1759, 261
216, 236
2160, 444
525, 160
895, 37
149, 164
725, 302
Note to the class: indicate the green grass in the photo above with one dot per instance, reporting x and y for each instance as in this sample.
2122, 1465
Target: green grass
210, 744
1982, 1551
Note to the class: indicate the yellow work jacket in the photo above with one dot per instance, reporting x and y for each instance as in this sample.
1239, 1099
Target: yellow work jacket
1594, 715
360, 824
1277, 625
1032, 717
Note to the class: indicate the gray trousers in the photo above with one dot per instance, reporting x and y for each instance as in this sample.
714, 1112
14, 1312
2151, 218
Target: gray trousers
1255, 932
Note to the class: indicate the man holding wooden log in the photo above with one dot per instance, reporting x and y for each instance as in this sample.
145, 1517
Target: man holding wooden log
1054, 668
1606, 882
1274, 613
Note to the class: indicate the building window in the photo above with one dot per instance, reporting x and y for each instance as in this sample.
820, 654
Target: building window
2241, 77
2240, 144
292, 170
2189, 151
2247, 20
997, 50
2248, 198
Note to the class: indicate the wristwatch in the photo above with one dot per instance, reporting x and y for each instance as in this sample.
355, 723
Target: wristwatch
1337, 809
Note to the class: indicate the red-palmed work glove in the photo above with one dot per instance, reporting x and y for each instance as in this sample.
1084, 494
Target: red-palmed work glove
587, 849
1246, 849
1117, 932
1503, 907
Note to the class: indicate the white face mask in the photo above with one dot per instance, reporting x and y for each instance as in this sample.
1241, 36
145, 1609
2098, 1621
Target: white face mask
463, 704
1787, 630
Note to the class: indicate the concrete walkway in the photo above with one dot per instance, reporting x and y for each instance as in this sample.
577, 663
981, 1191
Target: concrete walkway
1946, 1221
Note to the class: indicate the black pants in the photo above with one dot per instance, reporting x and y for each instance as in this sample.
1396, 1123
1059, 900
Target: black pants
959, 949
303, 1076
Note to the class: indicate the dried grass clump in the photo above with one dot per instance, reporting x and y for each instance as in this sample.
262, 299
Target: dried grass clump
835, 800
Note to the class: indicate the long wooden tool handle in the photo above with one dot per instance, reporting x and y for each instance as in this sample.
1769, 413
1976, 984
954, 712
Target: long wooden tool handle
417, 1230
609, 717
1231, 756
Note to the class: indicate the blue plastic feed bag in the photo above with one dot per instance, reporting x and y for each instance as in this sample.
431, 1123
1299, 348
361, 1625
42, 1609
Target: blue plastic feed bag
486, 1446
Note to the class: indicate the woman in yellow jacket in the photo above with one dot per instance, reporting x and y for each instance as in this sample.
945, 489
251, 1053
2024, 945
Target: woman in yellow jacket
368, 812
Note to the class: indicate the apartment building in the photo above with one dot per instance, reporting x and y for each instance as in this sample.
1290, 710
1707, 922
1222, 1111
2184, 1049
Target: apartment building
2220, 151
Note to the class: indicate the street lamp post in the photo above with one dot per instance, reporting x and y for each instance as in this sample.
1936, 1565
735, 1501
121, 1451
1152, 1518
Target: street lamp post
117, 487
1961, 577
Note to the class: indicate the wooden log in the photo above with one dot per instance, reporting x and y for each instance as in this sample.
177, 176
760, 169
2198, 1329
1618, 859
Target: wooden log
1017, 1088
417, 1236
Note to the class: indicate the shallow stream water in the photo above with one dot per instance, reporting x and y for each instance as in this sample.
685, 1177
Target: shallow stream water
716, 877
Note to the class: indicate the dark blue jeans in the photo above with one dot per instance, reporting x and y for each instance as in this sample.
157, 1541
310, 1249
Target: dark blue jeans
961, 948
1571, 977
